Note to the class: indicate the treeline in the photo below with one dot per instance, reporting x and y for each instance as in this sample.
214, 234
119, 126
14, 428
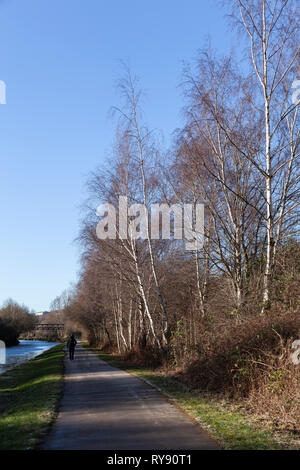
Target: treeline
14, 320
223, 315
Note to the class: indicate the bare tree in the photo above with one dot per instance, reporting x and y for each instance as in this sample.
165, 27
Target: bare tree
273, 29
142, 142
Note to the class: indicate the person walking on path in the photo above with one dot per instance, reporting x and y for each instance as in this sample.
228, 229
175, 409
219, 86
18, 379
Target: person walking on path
104, 408
71, 346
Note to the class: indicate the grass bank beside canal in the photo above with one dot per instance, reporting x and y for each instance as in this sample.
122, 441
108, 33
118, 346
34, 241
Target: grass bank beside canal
29, 395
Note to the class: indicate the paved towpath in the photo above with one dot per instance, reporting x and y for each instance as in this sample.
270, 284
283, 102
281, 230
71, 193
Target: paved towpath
105, 408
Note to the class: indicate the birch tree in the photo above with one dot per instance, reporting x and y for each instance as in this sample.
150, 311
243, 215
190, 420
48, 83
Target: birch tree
221, 132
273, 29
143, 149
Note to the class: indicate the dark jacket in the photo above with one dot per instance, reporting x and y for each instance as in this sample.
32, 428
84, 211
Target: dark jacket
71, 343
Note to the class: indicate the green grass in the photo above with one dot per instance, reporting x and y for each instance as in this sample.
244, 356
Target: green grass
29, 395
230, 427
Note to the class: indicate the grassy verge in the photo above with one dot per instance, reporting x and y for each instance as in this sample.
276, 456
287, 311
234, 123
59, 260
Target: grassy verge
222, 420
29, 395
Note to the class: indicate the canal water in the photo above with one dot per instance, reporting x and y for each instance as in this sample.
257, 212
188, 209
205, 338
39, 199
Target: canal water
26, 350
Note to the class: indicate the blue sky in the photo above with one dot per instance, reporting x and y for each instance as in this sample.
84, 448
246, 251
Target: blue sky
60, 62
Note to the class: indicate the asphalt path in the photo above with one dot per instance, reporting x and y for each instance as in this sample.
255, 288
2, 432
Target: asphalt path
104, 408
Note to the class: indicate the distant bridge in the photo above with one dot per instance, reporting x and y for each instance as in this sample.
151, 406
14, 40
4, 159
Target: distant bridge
49, 327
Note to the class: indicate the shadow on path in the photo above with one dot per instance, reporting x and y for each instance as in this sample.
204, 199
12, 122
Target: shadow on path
104, 408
